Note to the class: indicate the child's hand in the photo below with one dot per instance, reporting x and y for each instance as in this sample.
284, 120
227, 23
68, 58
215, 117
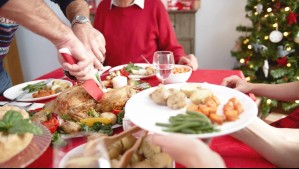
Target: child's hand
237, 83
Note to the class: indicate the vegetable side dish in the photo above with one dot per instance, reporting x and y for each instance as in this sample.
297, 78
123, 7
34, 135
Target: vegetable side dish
201, 114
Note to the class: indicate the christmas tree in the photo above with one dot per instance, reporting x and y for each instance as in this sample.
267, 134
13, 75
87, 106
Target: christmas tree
268, 50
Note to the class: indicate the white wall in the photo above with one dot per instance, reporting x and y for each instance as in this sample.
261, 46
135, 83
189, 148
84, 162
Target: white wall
216, 23
38, 55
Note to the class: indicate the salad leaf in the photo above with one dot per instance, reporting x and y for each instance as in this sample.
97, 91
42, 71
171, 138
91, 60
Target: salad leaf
132, 66
14, 123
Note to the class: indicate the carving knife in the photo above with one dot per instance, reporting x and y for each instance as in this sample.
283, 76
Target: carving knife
92, 86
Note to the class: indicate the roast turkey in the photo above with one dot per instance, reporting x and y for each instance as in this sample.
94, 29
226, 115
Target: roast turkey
74, 103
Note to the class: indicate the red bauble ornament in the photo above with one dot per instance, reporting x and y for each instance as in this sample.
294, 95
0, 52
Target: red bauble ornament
277, 6
292, 18
282, 61
180, 5
247, 60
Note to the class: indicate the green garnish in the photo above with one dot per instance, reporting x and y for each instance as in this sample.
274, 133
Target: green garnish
99, 128
35, 87
14, 123
93, 113
132, 66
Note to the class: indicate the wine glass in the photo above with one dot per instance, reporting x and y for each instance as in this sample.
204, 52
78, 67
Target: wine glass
163, 62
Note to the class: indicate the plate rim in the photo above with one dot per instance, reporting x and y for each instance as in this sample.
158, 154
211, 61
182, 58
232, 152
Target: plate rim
19, 86
46, 137
198, 136
133, 76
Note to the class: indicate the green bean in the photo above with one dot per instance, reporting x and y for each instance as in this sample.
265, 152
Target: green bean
35, 87
188, 131
180, 127
163, 125
189, 123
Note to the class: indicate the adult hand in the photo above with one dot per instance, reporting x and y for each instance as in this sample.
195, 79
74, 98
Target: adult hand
189, 60
237, 83
187, 151
93, 40
83, 70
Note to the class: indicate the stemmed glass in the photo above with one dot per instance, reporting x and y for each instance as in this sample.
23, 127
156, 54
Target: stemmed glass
163, 62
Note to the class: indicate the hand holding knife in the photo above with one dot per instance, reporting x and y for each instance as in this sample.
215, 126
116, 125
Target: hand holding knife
94, 85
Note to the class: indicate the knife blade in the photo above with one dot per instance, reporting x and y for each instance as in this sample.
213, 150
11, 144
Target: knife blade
92, 86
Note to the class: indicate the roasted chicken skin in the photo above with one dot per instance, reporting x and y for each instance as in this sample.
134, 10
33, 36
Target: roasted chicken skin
115, 99
73, 103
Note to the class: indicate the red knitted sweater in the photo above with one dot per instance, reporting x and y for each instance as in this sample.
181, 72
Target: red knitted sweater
132, 31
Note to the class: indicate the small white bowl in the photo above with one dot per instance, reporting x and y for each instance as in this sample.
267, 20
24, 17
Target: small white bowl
180, 77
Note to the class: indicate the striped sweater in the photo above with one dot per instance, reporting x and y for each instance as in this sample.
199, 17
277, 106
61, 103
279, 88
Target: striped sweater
7, 31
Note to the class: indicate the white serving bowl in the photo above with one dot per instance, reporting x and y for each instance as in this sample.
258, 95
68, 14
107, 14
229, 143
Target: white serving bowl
180, 77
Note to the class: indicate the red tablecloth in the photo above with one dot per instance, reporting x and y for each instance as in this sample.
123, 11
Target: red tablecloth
234, 153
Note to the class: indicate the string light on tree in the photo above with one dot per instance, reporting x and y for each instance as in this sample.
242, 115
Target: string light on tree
269, 101
266, 37
289, 65
249, 47
269, 10
286, 34
287, 9
242, 61
246, 41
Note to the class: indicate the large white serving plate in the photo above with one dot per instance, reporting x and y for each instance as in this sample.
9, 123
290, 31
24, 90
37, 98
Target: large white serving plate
143, 112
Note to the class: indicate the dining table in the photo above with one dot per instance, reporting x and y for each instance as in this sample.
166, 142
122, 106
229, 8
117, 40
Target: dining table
235, 153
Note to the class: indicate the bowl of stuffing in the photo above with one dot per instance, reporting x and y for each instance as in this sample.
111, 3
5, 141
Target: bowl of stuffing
179, 74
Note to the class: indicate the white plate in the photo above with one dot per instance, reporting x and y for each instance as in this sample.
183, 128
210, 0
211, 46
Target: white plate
143, 112
15, 91
143, 65
78, 151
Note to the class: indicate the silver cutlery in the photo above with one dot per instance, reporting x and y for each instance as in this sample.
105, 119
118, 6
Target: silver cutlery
145, 60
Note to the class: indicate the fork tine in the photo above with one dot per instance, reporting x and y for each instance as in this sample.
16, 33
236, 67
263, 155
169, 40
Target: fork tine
28, 106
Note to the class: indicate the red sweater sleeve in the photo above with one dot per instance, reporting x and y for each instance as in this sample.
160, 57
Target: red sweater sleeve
167, 40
